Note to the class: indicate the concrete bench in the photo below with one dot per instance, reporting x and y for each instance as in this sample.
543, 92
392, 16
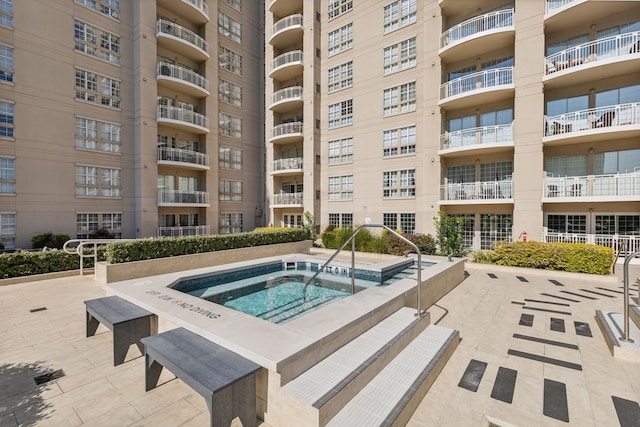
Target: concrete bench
225, 379
128, 322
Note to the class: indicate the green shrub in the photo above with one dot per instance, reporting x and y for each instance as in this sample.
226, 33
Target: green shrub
574, 257
49, 240
26, 263
425, 242
329, 240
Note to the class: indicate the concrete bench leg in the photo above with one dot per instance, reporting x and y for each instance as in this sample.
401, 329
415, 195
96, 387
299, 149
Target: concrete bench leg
127, 333
152, 371
238, 398
92, 325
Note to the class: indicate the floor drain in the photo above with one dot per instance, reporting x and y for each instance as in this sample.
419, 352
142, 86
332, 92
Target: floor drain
45, 378
34, 310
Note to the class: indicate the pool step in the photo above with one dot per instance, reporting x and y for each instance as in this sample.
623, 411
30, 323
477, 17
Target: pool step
612, 326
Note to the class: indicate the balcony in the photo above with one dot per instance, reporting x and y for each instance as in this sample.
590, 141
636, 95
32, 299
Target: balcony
489, 192
621, 187
478, 35
579, 12
181, 39
596, 60
594, 124
287, 31
183, 119
182, 198
290, 166
287, 66
284, 7
617, 242
182, 79
286, 132
486, 139
287, 200
195, 230
195, 11
185, 158
477, 88
286, 99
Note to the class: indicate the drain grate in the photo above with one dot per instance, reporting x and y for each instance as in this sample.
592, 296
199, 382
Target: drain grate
35, 310
45, 378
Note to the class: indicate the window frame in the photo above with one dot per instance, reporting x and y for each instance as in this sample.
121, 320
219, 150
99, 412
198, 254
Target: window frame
340, 77
340, 40
400, 99
400, 56
340, 188
340, 114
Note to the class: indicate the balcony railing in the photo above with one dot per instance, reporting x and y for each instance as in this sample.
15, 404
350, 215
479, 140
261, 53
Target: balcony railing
622, 243
287, 164
181, 196
286, 129
167, 27
200, 5
498, 134
287, 199
195, 230
481, 80
287, 58
474, 26
293, 92
182, 73
623, 185
183, 115
488, 190
598, 50
612, 117
289, 21
169, 154
557, 4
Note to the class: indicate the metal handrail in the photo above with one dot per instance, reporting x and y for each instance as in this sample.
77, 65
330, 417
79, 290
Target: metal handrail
627, 260
352, 239
89, 243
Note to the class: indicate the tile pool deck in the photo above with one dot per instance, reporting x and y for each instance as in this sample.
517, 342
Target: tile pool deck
503, 321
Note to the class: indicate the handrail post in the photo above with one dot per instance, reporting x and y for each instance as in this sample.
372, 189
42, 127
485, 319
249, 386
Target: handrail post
627, 260
353, 266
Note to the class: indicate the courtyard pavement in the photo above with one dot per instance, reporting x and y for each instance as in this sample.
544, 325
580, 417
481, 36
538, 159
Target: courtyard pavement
527, 332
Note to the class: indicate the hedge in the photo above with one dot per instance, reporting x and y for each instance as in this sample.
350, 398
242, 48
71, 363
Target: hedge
25, 263
573, 257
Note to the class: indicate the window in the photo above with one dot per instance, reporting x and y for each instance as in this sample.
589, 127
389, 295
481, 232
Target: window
338, 7
230, 125
96, 135
614, 162
494, 227
399, 141
407, 221
341, 187
498, 171
8, 230
571, 165
6, 119
230, 223
398, 14
97, 89
110, 8
86, 41
341, 114
400, 56
6, 63
340, 39
7, 175
400, 99
230, 60
230, 191
236, 4
86, 223
575, 224
93, 181
230, 93
399, 183
461, 173
230, 158
341, 220
229, 28
626, 225
341, 151
467, 221
341, 77
6, 13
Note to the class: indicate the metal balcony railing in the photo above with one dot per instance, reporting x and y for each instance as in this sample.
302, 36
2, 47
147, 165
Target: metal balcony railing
200, 5
486, 79
610, 185
194, 230
615, 241
475, 26
611, 117
182, 196
286, 129
167, 27
182, 73
289, 21
488, 190
473, 137
287, 58
293, 92
169, 154
183, 115
287, 199
287, 164
557, 4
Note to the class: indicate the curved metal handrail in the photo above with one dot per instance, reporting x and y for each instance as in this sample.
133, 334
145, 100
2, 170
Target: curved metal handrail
353, 262
81, 244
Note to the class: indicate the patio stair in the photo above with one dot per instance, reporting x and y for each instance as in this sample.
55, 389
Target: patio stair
377, 378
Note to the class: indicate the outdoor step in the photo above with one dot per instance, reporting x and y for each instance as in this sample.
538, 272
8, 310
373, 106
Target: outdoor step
327, 386
393, 395
612, 326
634, 311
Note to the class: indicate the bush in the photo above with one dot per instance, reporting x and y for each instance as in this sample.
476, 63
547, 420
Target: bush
449, 235
329, 240
102, 234
425, 242
573, 257
49, 240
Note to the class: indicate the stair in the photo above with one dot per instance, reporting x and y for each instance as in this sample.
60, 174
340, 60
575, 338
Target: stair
612, 327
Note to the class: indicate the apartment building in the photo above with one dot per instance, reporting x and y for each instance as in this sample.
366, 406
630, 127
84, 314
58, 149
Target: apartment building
521, 117
141, 117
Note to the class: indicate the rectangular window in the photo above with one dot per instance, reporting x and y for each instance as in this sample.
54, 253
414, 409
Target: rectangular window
93, 181
96, 135
338, 7
406, 221
230, 125
400, 56
341, 151
400, 99
399, 141
494, 227
110, 8
86, 41
341, 220
230, 93
7, 175
6, 13
340, 39
229, 28
340, 77
230, 158
6, 63
8, 230
399, 183
230, 191
398, 14
236, 4
341, 187
97, 89
230, 60
468, 228
230, 223
390, 220
6, 119
341, 114
86, 224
